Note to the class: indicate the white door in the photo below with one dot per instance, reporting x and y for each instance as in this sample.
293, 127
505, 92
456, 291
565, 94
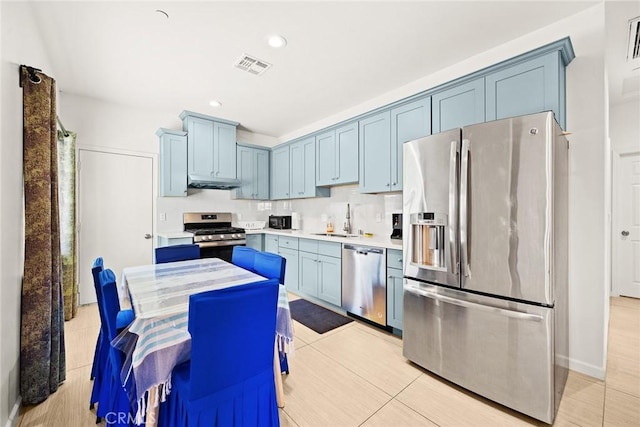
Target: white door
115, 212
626, 231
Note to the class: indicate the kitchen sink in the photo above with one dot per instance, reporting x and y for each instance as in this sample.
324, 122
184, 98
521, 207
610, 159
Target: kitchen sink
335, 235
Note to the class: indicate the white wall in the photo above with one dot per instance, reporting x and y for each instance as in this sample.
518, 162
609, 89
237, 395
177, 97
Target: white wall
624, 121
20, 45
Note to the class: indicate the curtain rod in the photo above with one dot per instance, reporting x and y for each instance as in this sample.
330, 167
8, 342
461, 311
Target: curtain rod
64, 131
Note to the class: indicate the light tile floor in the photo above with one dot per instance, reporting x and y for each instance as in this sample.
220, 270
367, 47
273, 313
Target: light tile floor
356, 375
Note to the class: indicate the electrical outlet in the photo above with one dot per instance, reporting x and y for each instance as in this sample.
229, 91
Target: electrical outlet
163, 216
378, 217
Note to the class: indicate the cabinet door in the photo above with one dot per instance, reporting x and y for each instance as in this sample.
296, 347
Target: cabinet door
280, 173
330, 279
459, 106
255, 241
394, 297
408, 122
303, 168
296, 164
261, 175
291, 279
200, 136
173, 165
326, 158
271, 243
346, 148
374, 146
225, 150
308, 273
246, 169
530, 87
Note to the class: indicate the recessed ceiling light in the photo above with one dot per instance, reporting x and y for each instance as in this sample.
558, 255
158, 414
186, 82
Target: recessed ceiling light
277, 41
215, 103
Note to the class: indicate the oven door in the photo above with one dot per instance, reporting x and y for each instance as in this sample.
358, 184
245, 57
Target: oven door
222, 250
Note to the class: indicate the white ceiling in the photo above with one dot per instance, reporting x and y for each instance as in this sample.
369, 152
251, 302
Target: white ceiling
339, 54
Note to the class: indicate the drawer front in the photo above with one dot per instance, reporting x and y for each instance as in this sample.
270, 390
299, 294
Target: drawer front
394, 258
330, 249
271, 243
308, 245
289, 242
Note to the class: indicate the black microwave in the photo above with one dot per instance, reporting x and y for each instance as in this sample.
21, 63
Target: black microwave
281, 222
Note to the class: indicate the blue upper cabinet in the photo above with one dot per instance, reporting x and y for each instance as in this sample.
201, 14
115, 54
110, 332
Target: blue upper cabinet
408, 122
211, 145
173, 162
280, 173
375, 148
529, 87
253, 173
337, 156
303, 170
458, 106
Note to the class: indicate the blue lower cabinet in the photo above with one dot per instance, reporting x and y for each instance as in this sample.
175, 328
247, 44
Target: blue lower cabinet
308, 272
291, 280
394, 297
330, 279
255, 241
271, 243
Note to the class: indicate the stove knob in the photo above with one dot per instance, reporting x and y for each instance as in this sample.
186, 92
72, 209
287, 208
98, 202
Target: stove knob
208, 238
221, 236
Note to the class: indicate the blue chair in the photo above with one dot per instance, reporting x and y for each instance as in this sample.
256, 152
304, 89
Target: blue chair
243, 256
113, 397
272, 266
177, 253
101, 353
229, 380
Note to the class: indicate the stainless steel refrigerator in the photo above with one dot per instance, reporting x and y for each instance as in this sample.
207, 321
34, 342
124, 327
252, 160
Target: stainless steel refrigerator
485, 260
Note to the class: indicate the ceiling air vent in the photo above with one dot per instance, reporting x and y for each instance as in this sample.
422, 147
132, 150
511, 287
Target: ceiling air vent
252, 65
633, 53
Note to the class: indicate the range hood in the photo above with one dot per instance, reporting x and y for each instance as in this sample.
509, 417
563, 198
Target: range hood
205, 181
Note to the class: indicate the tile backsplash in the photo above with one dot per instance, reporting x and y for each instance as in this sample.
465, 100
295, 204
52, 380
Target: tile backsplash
370, 213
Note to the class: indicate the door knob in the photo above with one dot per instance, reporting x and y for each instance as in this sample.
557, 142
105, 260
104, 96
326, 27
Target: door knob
147, 236
625, 233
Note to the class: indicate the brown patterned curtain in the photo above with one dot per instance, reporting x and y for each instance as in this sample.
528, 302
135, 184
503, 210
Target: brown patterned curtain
42, 355
67, 206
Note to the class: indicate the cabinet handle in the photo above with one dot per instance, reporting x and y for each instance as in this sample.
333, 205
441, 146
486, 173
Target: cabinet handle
217, 173
387, 184
389, 277
395, 183
211, 173
399, 259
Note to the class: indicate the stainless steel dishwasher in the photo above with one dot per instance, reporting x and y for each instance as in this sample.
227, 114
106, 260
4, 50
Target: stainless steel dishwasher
364, 282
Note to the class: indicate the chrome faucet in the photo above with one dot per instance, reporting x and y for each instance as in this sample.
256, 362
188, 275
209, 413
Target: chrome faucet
347, 224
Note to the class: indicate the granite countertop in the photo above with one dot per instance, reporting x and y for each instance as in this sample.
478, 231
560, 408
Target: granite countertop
378, 241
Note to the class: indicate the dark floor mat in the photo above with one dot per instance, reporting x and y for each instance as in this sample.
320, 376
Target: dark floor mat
315, 317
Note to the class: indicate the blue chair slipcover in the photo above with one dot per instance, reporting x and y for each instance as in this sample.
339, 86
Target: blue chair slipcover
101, 354
272, 266
177, 253
243, 256
113, 402
229, 380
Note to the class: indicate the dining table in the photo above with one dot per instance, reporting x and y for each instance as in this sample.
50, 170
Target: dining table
158, 338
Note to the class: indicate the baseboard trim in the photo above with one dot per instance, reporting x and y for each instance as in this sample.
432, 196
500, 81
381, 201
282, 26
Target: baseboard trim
15, 412
587, 369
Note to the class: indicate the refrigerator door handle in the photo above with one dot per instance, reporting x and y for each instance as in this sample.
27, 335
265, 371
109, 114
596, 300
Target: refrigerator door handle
467, 304
453, 207
464, 208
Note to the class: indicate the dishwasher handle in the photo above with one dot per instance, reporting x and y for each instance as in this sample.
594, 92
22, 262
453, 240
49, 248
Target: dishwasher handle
364, 250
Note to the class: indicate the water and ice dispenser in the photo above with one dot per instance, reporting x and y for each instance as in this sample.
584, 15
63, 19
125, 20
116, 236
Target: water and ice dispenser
428, 238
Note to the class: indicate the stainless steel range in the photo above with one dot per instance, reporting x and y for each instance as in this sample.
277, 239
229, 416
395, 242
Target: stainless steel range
212, 231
